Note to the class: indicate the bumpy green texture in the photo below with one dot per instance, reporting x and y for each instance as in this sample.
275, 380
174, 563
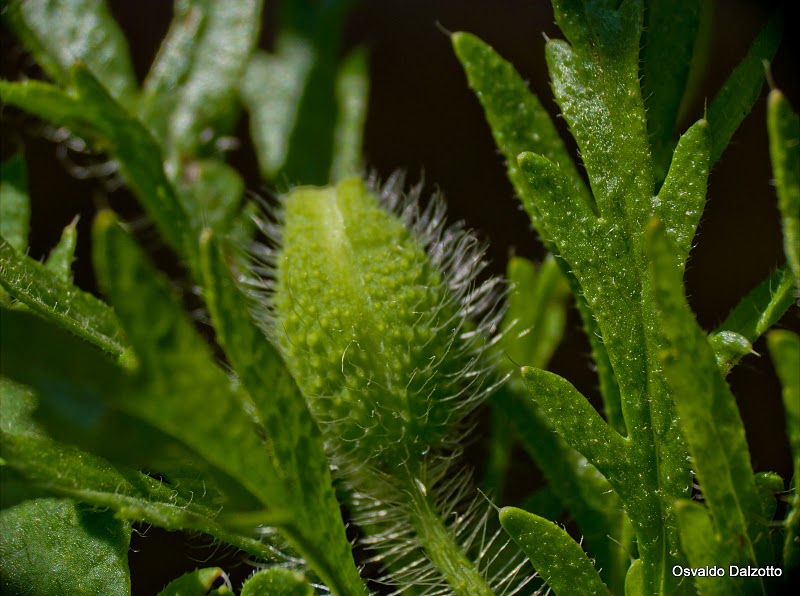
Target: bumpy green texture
366, 324
55, 546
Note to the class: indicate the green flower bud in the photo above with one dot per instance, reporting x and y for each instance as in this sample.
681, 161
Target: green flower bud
374, 305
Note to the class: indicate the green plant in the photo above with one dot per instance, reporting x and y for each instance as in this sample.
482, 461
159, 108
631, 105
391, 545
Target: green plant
355, 335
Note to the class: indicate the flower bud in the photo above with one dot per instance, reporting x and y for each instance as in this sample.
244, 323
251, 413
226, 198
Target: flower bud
373, 306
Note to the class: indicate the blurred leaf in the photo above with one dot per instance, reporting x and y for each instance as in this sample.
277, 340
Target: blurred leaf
784, 148
15, 209
277, 582
61, 34
703, 549
536, 316
46, 294
668, 43
759, 310
352, 89
784, 348
59, 261
212, 193
291, 94
741, 90
557, 558
89, 112
53, 546
194, 583
174, 363
72, 373
295, 442
189, 98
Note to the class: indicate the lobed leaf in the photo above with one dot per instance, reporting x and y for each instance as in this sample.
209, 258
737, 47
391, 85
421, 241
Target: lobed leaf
784, 348
784, 148
47, 294
708, 414
668, 43
62, 34
519, 123
683, 195
15, 209
759, 310
579, 423
555, 555
189, 98
742, 88
295, 442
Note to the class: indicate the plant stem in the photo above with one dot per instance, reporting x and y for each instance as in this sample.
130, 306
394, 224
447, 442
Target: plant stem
438, 541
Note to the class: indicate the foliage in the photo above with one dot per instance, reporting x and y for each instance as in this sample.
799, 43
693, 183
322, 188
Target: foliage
355, 333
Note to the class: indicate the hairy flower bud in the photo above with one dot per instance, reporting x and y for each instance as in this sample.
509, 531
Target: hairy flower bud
373, 308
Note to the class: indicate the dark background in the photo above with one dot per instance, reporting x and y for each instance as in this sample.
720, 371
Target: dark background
423, 118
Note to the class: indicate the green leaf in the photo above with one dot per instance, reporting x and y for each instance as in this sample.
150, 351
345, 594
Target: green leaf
579, 423
59, 261
708, 414
668, 44
352, 90
703, 548
519, 123
277, 582
634, 580
784, 149
577, 484
46, 294
15, 209
555, 555
291, 94
191, 89
784, 348
211, 193
68, 471
759, 310
742, 88
175, 362
294, 439
61, 34
683, 194
52, 546
534, 322
88, 111
194, 583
